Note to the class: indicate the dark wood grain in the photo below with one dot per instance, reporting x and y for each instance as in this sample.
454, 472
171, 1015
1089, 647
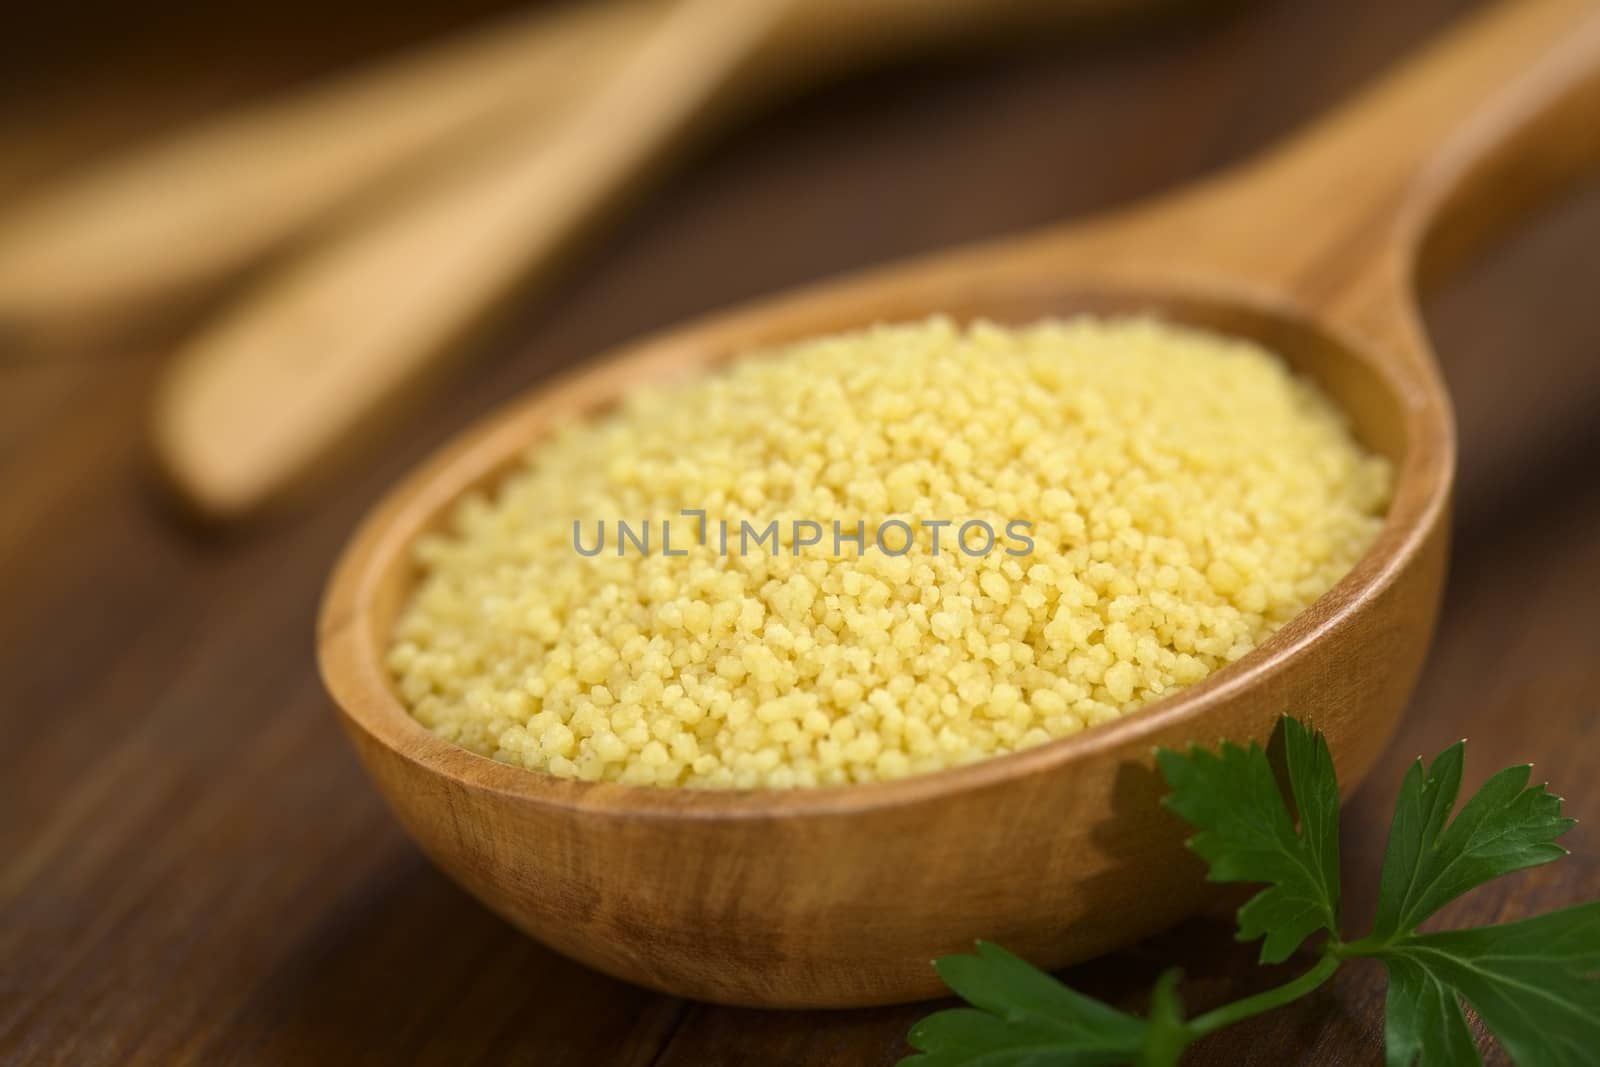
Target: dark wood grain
196, 870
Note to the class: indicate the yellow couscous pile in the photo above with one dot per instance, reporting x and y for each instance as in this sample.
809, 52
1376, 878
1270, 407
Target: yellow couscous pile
1160, 499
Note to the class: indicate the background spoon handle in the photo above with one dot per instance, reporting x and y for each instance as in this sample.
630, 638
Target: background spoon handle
207, 201
253, 404
1461, 141
279, 386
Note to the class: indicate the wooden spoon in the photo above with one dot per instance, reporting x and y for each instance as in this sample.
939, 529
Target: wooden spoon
205, 202
840, 896
281, 385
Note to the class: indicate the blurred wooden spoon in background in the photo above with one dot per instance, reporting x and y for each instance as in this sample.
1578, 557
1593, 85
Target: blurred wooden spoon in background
281, 386
206, 202
201, 204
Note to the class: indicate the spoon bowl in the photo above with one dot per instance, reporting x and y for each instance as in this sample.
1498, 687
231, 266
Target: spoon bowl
840, 896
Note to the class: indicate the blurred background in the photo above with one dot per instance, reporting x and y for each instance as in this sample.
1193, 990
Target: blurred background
196, 870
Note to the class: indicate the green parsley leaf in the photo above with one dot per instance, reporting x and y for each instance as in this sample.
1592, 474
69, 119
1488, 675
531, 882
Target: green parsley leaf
1505, 827
1423, 1017
1248, 835
1022, 1017
1535, 984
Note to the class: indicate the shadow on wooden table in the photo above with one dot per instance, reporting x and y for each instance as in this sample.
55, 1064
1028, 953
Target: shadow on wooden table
412, 968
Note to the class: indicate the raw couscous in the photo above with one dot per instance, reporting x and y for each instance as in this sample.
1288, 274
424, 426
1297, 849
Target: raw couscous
1162, 499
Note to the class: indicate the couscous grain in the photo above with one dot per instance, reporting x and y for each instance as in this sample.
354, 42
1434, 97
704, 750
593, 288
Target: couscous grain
1180, 496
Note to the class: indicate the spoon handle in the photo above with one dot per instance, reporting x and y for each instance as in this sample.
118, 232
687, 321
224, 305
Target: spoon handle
275, 389
254, 403
208, 201
205, 202
1493, 118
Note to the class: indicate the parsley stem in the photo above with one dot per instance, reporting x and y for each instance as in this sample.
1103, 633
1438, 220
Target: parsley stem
1367, 946
1228, 1014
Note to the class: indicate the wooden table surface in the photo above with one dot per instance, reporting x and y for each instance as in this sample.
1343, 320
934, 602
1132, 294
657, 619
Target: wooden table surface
195, 869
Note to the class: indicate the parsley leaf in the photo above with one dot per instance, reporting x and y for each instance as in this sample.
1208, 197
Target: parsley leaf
1505, 827
1423, 1017
1247, 834
1021, 1017
1535, 984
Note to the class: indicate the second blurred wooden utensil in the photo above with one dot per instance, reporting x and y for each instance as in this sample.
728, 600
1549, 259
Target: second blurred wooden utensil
281, 384
210, 200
